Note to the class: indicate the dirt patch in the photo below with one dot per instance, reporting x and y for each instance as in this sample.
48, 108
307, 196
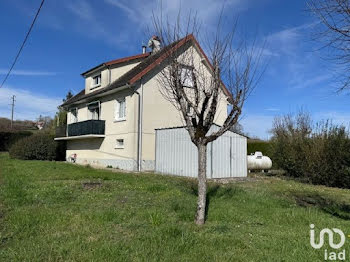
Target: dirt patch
92, 185
235, 180
330, 206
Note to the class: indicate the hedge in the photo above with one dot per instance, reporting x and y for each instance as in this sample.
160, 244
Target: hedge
7, 139
38, 147
257, 145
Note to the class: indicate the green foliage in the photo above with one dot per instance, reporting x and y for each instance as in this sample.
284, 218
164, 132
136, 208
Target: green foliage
39, 147
7, 139
258, 145
319, 154
44, 204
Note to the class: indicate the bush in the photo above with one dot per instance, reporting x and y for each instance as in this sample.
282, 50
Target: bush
7, 139
258, 145
319, 154
38, 147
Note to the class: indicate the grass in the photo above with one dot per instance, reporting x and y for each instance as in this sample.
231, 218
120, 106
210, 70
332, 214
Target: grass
51, 211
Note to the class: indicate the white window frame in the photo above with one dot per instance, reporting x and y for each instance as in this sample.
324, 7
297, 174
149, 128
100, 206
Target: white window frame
119, 146
93, 85
187, 70
75, 120
90, 116
117, 109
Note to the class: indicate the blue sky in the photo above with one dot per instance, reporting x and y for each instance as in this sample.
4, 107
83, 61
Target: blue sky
72, 36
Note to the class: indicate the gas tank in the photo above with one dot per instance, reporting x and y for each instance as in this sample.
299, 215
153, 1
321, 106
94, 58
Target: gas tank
258, 162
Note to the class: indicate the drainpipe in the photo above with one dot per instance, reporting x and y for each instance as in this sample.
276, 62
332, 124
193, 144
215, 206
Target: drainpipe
139, 126
140, 120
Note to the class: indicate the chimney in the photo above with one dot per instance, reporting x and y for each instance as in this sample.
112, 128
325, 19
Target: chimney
144, 49
154, 44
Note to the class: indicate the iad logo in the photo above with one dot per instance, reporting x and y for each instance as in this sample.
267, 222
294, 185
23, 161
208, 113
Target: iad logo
330, 232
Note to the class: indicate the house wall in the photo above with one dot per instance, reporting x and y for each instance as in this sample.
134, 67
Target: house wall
160, 113
116, 72
102, 151
157, 113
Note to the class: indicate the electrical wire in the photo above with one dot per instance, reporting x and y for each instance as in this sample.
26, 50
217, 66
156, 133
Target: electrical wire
23, 43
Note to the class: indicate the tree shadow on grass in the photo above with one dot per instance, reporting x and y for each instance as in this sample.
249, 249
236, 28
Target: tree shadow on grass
214, 191
330, 206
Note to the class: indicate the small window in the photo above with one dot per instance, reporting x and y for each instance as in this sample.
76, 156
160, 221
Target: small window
74, 115
94, 110
120, 144
96, 81
186, 76
120, 109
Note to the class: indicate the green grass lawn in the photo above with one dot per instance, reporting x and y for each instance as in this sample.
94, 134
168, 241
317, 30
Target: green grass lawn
49, 213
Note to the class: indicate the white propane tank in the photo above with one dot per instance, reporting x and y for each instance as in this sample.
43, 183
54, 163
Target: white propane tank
259, 162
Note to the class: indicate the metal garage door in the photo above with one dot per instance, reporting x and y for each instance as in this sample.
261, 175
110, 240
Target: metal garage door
177, 155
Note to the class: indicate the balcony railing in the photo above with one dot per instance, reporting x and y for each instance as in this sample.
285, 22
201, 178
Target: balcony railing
88, 127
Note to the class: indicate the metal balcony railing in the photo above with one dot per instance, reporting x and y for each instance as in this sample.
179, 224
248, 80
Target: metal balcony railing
88, 127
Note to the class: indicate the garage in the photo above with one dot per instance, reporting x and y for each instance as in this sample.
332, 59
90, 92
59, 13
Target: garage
177, 155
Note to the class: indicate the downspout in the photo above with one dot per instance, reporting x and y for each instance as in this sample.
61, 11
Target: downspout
139, 126
140, 120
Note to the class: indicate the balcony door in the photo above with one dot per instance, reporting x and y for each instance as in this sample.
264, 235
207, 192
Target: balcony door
94, 110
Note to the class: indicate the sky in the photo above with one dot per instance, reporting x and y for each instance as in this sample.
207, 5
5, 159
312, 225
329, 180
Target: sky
72, 36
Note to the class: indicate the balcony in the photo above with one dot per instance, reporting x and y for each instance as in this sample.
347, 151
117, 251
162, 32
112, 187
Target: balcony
80, 130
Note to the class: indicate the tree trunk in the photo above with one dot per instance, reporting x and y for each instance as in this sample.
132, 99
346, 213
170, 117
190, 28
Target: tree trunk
202, 184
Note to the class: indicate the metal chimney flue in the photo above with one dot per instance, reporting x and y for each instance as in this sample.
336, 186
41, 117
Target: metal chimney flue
144, 49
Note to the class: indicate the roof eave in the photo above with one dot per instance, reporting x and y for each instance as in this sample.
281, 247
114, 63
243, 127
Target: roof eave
97, 95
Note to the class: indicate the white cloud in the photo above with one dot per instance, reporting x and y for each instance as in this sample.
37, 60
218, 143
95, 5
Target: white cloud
82, 9
140, 11
27, 72
257, 125
272, 109
87, 18
311, 81
337, 118
28, 105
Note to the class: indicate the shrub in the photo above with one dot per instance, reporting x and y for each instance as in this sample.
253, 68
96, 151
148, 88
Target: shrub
258, 145
319, 154
7, 139
39, 147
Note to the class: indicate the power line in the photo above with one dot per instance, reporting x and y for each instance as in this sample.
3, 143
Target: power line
23, 43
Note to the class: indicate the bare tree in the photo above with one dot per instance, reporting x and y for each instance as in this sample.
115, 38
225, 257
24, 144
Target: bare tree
334, 33
195, 84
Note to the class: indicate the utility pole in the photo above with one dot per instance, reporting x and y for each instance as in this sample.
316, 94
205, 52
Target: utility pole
12, 109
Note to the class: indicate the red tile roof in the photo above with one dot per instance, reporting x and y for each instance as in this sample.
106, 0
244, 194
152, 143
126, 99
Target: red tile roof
119, 61
136, 73
127, 59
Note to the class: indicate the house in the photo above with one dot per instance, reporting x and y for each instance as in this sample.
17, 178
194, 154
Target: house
113, 120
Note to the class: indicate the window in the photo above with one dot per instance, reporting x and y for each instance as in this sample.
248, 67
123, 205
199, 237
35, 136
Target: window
120, 109
186, 76
120, 144
96, 81
190, 110
94, 110
74, 115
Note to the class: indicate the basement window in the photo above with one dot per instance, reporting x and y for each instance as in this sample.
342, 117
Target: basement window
96, 81
119, 144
